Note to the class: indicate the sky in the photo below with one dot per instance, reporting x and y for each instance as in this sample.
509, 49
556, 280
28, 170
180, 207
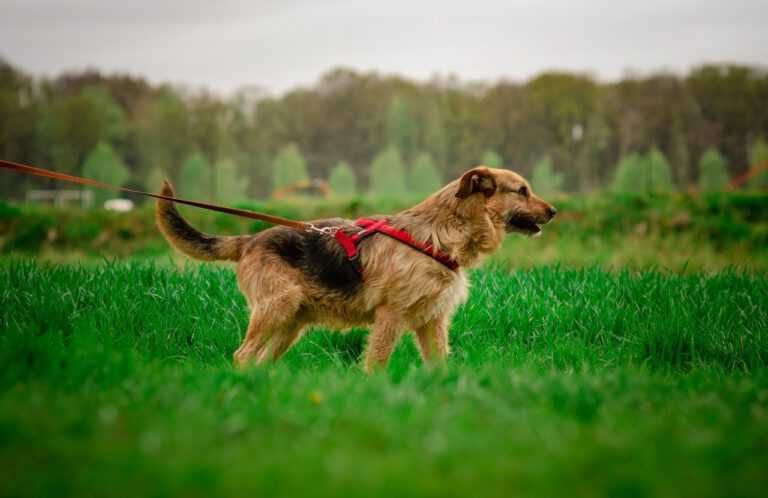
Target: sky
279, 45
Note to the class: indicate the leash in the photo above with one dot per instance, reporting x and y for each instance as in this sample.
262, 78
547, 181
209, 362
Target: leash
26, 169
348, 242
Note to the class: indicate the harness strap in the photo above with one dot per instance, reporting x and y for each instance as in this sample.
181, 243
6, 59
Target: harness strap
370, 226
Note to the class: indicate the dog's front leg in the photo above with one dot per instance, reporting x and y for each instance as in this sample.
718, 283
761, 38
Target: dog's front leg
433, 339
387, 329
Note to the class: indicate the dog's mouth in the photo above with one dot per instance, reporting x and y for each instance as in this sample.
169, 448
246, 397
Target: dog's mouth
523, 224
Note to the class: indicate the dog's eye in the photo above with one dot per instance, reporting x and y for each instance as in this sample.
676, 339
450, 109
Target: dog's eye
523, 191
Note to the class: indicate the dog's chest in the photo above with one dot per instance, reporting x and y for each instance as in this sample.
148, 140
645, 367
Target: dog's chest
432, 300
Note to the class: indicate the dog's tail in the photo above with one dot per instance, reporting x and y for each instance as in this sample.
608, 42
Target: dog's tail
190, 241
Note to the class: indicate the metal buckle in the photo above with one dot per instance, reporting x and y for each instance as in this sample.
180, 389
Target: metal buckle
330, 231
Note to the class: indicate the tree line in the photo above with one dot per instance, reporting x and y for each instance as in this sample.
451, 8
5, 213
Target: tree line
369, 132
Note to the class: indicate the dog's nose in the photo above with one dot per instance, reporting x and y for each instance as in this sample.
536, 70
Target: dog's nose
551, 211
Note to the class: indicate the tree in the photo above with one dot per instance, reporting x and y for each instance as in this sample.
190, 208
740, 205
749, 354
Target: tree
424, 178
401, 128
584, 126
629, 176
19, 123
207, 126
195, 178
492, 159
731, 96
163, 135
387, 173
104, 165
713, 171
289, 167
74, 125
659, 177
758, 156
342, 180
544, 180
680, 155
643, 173
230, 187
436, 136
112, 116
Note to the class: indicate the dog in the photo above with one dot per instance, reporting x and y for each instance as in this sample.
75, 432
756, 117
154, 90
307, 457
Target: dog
292, 278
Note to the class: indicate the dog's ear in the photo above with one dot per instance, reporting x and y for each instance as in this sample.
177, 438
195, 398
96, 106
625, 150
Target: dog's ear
480, 179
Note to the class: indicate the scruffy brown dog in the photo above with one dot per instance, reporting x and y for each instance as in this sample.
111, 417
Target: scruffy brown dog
293, 278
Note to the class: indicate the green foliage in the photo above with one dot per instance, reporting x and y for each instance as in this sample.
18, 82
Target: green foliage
104, 165
155, 180
563, 100
289, 167
342, 180
388, 173
73, 126
639, 174
30, 235
544, 180
680, 156
81, 233
492, 159
8, 212
436, 135
424, 177
195, 178
713, 171
401, 128
163, 133
758, 155
629, 176
20, 121
117, 381
229, 186
112, 115
659, 175
350, 115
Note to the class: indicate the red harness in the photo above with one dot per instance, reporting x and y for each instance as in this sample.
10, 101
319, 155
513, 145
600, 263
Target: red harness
369, 227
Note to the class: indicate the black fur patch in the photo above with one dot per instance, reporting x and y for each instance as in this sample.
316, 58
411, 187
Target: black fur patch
318, 256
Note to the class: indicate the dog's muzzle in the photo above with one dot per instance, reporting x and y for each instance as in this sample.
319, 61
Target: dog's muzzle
528, 225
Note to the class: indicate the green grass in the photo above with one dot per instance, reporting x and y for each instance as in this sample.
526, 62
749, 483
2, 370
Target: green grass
116, 381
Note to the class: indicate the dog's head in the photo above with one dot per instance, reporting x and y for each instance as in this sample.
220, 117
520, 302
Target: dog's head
507, 198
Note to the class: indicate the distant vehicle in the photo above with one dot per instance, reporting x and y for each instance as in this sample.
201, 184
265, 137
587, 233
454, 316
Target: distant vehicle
119, 205
305, 187
739, 181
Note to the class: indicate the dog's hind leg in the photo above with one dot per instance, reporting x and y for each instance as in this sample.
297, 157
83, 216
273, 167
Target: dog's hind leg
271, 320
432, 338
387, 329
282, 341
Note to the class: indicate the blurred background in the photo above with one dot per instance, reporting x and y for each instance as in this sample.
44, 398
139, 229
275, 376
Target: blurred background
621, 357
647, 124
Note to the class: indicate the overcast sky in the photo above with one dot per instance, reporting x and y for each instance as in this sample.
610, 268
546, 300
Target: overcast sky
225, 44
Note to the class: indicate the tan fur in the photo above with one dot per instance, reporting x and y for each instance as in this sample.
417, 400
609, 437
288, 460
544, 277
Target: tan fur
213, 248
403, 289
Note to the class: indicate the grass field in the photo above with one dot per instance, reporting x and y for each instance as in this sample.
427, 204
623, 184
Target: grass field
116, 381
